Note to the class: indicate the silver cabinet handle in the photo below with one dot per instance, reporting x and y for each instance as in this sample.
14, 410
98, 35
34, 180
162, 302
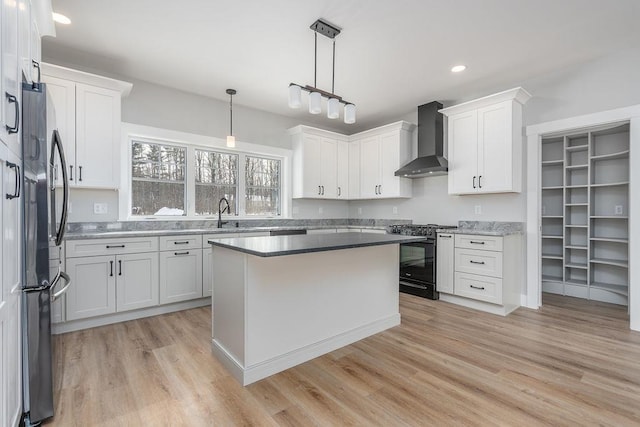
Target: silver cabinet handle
16, 124
36, 65
16, 189
477, 287
476, 262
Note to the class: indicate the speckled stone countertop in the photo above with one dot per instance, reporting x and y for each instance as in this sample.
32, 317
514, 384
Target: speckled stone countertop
116, 230
487, 228
271, 246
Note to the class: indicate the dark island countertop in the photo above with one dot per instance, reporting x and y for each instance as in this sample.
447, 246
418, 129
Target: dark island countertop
270, 246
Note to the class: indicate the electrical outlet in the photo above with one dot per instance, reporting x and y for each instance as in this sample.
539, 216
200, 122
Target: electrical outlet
395, 210
478, 209
99, 208
618, 209
320, 210
359, 211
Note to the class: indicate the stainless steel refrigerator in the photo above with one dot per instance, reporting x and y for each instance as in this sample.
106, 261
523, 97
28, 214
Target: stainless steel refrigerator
42, 154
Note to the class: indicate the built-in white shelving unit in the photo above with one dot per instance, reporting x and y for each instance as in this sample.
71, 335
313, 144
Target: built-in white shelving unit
585, 214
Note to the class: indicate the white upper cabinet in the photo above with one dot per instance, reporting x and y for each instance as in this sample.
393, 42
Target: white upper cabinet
10, 90
343, 170
315, 163
383, 151
485, 143
354, 170
87, 116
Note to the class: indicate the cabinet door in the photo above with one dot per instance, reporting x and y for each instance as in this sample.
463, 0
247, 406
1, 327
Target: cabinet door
207, 272
11, 229
24, 42
93, 289
463, 153
61, 105
389, 164
97, 136
354, 170
180, 275
311, 166
136, 281
328, 165
342, 165
495, 148
444, 263
369, 167
10, 83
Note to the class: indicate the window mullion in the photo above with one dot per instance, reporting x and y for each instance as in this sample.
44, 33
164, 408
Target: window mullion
190, 181
242, 208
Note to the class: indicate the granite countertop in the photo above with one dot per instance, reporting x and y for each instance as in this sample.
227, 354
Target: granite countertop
270, 246
91, 234
479, 232
486, 228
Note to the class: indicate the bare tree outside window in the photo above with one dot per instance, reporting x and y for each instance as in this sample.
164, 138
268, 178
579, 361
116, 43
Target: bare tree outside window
262, 186
157, 179
216, 176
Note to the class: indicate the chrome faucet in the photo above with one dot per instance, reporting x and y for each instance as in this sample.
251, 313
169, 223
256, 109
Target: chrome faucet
221, 211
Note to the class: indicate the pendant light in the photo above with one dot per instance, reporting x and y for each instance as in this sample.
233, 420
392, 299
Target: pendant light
231, 140
315, 95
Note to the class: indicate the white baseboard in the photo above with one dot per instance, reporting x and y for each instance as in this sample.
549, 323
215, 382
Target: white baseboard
501, 310
92, 322
251, 374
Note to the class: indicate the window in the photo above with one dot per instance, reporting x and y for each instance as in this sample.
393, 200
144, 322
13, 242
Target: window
157, 179
262, 186
216, 177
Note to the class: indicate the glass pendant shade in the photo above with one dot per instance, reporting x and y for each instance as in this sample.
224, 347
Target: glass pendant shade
295, 96
231, 141
333, 108
349, 114
315, 103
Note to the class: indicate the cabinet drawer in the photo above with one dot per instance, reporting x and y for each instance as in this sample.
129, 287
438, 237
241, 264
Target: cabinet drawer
486, 263
96, 247
487, 243
171, 243
482, 288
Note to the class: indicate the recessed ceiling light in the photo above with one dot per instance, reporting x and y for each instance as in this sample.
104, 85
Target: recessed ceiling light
61, 19
458, 68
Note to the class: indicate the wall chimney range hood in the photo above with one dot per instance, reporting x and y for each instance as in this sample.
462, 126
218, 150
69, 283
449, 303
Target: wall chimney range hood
430, 161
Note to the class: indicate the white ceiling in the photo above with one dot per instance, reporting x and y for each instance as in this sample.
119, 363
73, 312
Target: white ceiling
390, 57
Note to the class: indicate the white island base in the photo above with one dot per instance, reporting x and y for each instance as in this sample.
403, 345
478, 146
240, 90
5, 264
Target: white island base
272, 313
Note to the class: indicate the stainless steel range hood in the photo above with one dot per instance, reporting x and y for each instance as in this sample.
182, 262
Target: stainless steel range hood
430, 161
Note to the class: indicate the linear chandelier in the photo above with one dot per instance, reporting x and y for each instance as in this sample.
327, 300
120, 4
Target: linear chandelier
315, 94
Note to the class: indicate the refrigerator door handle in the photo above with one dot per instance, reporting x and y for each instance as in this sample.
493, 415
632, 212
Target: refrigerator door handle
61, 275
57, 144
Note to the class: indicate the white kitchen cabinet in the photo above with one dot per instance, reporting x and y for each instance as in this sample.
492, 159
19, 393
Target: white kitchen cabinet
445, 263
180, 275
56, 262
485, 143
354, 170
10, 90
315, 163
136, 281
93, 289
87, 115
342, 175
383, 151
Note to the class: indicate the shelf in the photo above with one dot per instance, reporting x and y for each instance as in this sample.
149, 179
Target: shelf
614, 262
577, 148
620, 155
618, 289
559, 257
575, 226
575, 247
611, 184
546, 278
577, 204
608, 239
576, 282
609, 217
577, 186
556, 187
574, 265
552, 162
574, 167
552, 216
549, 236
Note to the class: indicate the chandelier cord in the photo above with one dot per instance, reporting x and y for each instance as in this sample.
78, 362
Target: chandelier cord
333, 72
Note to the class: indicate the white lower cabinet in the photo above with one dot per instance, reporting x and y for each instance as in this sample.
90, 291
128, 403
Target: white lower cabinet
93, 289
444, 263
56, 262
180, 275
207, 271
137, 281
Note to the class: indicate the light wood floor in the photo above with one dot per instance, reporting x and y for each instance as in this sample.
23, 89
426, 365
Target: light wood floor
571, 363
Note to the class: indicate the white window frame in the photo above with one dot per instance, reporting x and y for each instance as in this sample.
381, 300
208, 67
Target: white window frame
191, 142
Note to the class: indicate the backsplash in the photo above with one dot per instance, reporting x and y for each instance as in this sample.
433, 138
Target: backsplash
493, 226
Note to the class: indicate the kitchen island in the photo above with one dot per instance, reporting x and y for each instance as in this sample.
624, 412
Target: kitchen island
279, 301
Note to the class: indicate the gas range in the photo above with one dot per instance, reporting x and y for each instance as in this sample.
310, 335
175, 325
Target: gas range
428, 230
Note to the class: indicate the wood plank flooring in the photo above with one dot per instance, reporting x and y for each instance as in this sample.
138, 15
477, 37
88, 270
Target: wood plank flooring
573, 362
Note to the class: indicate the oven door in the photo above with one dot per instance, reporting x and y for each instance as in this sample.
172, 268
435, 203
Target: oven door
417, 261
